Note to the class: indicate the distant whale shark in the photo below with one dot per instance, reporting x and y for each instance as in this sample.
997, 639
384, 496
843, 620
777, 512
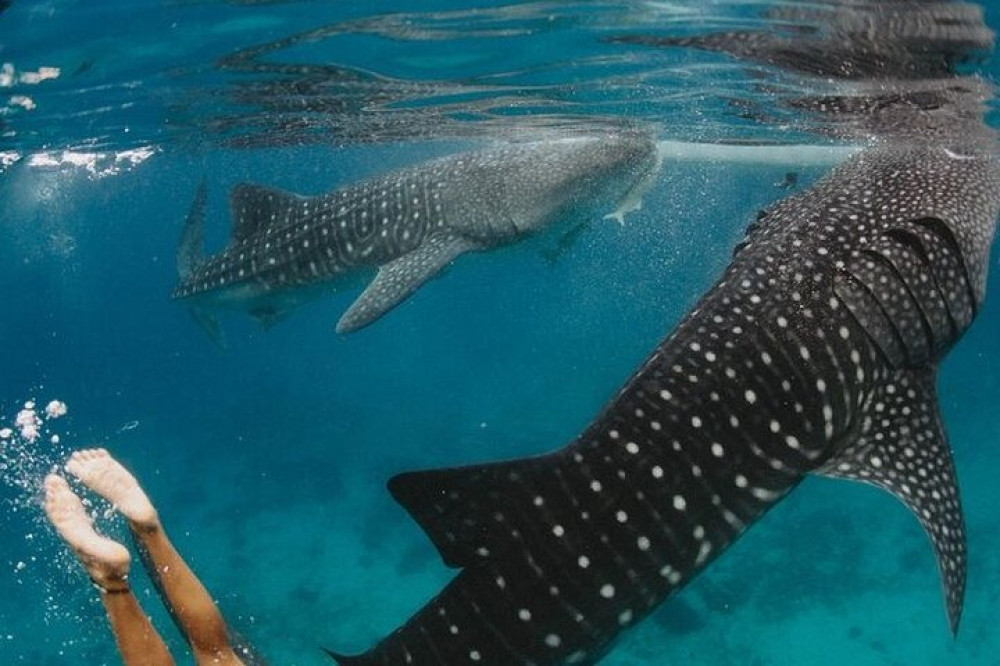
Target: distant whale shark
408, 224
815, 353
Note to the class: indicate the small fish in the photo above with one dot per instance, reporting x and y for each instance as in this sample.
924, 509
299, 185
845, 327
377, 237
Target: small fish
131, 425
407, 225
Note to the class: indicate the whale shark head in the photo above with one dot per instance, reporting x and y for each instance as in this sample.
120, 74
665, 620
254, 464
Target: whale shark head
527, 186
578, 174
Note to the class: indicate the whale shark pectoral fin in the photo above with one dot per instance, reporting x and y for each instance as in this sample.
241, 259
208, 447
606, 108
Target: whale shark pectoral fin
399, 278
254, 208
632, 201
903, 450
618, 216
268, 316
209, 323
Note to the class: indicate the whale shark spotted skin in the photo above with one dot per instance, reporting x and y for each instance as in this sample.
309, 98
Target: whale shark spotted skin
815, 353
408, 224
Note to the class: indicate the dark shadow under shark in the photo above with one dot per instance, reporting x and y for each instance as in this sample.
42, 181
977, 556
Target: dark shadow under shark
816, 352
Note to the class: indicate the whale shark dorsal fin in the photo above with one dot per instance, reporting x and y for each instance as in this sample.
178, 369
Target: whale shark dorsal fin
902, 448
402, 276
255, 208
461, 508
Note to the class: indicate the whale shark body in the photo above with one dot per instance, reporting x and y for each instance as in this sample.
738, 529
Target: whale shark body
408, 224
815, 353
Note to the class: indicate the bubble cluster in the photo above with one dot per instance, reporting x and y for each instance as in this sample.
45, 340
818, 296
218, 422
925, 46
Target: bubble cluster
35, 440
30, 447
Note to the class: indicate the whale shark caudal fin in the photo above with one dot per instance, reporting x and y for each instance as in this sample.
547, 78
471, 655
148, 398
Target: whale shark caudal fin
190, 250
902, 449
399, 278
190, 253
254, 208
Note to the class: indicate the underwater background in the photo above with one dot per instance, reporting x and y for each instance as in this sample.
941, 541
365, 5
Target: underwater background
267, 460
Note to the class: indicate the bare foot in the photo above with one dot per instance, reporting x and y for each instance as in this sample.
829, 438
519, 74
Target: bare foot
105, 560
106, 477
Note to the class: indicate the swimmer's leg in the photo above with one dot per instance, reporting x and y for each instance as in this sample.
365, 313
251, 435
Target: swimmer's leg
107, 562
189, 602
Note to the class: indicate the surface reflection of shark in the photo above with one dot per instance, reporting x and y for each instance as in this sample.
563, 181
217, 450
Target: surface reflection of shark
409, 224
816, 353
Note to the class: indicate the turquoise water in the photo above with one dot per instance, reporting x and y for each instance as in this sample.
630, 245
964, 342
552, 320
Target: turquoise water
268, 460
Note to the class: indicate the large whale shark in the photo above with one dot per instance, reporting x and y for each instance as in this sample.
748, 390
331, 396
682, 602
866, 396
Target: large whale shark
408, 224
815, 353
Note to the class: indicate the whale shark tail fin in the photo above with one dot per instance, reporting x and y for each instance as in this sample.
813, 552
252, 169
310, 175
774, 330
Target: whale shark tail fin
190, 254
190, 250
